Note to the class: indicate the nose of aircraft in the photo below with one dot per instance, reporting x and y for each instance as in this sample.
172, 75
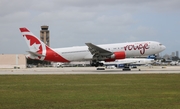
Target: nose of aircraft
163, 47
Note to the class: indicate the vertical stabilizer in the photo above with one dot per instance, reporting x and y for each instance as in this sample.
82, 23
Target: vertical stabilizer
37, 48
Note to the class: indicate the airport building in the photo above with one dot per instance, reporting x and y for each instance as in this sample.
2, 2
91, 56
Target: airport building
16, 61
177, 53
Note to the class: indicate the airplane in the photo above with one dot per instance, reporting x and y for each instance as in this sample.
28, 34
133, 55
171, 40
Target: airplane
90, 52
175, 63
127, 62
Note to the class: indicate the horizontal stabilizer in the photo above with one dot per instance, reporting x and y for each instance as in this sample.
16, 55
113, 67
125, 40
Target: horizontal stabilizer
35, 54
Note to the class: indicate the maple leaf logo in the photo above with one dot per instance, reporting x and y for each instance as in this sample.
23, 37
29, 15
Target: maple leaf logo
34, 47
34, 44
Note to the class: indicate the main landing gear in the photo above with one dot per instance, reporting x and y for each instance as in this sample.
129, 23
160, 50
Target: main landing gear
126, 68
96, 64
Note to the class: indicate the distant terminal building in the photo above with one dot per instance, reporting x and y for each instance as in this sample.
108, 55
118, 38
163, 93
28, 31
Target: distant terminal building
44, 35
177, 53
173, 54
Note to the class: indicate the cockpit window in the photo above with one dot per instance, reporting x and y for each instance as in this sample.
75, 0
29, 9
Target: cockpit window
160, 44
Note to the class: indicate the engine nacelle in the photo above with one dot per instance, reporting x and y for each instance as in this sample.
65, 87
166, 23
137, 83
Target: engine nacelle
116, 55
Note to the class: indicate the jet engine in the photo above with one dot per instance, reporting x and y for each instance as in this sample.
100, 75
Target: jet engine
113, 57
116, 55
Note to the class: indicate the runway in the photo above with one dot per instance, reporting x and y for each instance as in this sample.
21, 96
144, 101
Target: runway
90, 70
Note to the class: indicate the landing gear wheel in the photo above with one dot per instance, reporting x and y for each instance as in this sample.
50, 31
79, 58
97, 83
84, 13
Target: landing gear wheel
96, 64
101, 64
126, 69
100, 68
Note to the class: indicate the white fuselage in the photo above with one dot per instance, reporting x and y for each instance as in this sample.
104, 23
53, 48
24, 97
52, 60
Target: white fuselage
131, 49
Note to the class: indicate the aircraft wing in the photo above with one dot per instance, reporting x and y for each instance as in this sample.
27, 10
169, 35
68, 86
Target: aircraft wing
98, 51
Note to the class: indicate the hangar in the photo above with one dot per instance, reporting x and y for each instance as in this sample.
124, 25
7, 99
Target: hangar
16, 61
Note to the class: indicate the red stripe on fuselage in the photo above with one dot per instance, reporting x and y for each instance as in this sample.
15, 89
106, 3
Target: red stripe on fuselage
53, 56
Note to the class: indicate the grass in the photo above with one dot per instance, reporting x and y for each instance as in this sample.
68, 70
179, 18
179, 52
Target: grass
139, 91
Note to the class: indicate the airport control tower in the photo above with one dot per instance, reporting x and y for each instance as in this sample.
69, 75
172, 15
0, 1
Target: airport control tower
44, 35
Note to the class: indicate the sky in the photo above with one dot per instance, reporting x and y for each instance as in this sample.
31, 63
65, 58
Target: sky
76, 22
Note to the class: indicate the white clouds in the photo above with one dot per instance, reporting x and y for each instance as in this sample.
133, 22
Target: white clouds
11, 7
145, 32
81, 9
15, 17
43, 5
116, 20
87, 20
165, 5
8, 7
